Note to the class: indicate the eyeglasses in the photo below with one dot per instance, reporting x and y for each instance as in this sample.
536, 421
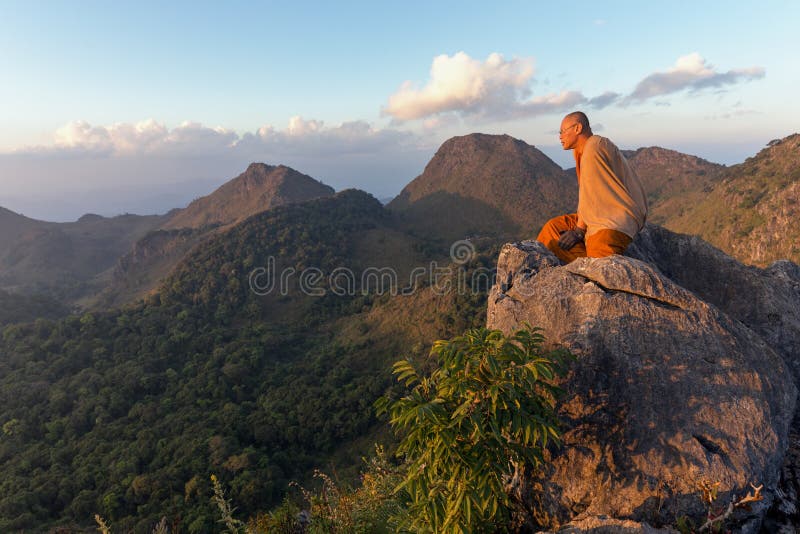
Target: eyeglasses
561, 132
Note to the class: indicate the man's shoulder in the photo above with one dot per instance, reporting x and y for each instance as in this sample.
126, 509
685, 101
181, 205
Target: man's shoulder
600, 144
601, 141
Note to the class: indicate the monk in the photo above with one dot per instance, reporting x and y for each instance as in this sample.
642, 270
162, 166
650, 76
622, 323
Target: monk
612, 206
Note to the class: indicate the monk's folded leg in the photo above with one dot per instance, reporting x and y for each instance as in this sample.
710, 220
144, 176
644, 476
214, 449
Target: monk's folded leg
606, 243
553, 229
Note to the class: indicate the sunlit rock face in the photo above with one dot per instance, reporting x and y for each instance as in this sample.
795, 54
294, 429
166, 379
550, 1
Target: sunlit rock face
667, 390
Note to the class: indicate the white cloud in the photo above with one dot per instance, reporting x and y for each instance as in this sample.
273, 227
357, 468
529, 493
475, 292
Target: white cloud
81, 135
690, 72
304, 137
441, 121
565, 100
193, 138
461, 83
298, 126
497, 89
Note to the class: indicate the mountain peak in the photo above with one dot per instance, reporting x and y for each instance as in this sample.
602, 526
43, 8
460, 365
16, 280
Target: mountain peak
666, 173
751, 209
13, 224
478, 139
256, 165
474, 147
485, 184
258, 188
90, 217
657, 154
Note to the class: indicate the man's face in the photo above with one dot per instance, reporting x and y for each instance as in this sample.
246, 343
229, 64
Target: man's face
568, 134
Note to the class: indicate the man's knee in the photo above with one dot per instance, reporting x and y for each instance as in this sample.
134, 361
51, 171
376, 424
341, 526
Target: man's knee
551, 232
606, 243
553, 228
547, 232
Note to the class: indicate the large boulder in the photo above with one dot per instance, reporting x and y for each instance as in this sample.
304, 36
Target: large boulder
766, 300
667, 391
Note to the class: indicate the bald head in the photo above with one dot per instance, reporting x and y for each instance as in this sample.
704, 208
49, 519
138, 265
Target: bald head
574, 132
581, 118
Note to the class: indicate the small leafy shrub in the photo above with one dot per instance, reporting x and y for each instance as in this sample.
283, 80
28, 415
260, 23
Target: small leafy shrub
367, 509
485, 410
160, 528
232, 525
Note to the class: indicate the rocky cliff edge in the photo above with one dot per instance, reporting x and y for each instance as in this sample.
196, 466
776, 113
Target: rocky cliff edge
668, 390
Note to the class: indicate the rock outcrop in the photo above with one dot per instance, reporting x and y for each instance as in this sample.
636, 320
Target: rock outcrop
667, 390
766, 300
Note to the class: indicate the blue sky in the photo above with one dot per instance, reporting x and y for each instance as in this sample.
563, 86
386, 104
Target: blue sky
141, 106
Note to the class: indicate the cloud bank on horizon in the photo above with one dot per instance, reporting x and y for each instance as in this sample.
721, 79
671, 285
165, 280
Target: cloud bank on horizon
148, 167
149, 137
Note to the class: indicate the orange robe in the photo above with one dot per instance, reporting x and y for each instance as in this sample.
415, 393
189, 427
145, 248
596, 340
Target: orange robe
612, 204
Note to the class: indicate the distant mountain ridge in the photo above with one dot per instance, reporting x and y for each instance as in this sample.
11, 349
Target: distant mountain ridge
485, 185
62, 260
666, 172
752, 210
120, 256
12, 224
258, 188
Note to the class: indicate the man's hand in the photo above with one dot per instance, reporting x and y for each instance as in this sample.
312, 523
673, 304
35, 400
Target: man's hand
570, 238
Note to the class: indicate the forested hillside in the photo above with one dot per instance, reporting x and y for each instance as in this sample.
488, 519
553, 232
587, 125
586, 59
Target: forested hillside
22, 309
127, 413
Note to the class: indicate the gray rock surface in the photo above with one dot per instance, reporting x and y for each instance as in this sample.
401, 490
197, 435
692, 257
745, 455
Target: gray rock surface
667, 391
766, 300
